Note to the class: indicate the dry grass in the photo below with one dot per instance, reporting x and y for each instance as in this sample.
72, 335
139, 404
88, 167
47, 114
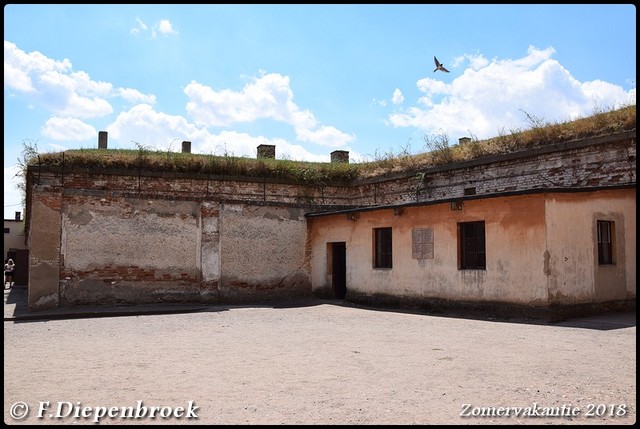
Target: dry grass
602, 122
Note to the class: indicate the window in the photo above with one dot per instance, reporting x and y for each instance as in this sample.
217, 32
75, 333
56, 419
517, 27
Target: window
605, 248
472, 249
382, 247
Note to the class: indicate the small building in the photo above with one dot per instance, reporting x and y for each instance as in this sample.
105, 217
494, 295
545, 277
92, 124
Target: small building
15, 247
529, 254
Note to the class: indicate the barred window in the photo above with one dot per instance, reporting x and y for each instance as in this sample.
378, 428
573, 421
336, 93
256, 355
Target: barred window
605, 247
472, 246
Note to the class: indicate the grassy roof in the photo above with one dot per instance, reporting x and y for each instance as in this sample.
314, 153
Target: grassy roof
439, 152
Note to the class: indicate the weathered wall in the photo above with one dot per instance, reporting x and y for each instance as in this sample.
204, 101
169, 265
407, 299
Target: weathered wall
44, 245
128, 250
131, 236
541, 250
604, 161
515, 246
574, 275
193, 187
208, 242
263, 252
117, 249
127, 238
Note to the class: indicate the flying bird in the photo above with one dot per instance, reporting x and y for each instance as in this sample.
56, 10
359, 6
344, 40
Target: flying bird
439, 66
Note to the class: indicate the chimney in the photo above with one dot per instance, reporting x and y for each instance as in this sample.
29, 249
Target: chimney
186, 147
463, 140
267, 151
18, 214
102, 139
340, 156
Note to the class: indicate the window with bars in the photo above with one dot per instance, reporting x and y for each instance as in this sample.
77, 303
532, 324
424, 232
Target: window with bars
382, 248
472, 246
605, 247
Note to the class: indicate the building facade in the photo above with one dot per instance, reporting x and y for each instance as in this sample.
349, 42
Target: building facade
542, 228
541, 252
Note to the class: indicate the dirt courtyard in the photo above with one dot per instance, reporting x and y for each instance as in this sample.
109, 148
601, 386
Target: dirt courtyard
326, 363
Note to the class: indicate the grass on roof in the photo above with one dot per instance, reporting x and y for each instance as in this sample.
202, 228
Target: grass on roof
439, 151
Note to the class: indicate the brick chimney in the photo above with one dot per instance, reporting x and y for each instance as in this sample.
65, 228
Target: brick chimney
186, 147
102, 139
267, 151
340, 156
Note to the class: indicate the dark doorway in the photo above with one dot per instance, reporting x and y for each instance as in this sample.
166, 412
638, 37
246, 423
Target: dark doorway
339, 263
21, 259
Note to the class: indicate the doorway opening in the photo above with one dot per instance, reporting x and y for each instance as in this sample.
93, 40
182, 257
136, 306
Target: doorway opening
338, 266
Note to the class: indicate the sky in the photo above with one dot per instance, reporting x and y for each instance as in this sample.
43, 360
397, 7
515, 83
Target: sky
308, 78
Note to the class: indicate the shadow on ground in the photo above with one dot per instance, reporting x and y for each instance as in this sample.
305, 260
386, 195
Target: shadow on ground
16, 309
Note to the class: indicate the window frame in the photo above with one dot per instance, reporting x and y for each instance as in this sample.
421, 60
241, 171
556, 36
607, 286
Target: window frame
383, 248
605, 233
472, 247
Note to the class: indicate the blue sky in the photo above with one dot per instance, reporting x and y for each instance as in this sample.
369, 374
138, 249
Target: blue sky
309, 79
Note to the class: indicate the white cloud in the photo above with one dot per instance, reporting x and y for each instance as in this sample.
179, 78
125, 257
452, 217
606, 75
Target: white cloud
476, 61
432, 87
490, 96
141, 27
381, 103
143, 125
134, 96
162, 27
165, 27
54, 86
68, 129
20, 68
241, 144
266, 97
397, 97
604, 95
325, 136
141, 23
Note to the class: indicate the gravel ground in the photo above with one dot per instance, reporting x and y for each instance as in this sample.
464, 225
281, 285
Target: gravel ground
323, 363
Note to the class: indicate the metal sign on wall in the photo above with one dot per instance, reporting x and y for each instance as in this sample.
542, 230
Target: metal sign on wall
422, 243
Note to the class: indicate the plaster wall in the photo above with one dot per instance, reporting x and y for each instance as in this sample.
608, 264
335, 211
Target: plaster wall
15, 238
44, 270
263, 252
129, 250
132, 250
515, 246
573, 271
